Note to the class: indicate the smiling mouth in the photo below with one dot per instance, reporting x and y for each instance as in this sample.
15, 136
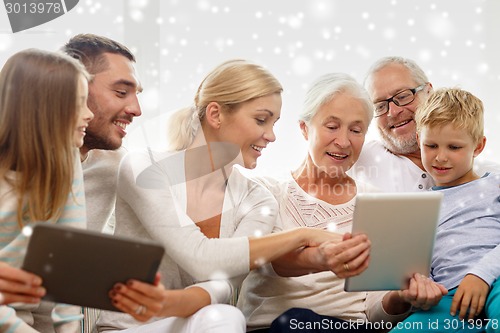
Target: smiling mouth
337, 156
441, 168
120, 124
401, 123
257, 148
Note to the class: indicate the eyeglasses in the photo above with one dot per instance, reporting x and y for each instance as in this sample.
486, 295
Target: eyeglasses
402, 98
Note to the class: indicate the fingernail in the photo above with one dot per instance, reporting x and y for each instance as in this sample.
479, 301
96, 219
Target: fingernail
118, 287
41, 291
130, 283
112, 293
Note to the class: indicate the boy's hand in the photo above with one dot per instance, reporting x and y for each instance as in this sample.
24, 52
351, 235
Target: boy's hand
470, 295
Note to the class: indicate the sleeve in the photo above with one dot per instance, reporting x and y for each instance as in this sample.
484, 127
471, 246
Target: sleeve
198, 255
256, 211
375, 311
74, 213
488, 268
11, 323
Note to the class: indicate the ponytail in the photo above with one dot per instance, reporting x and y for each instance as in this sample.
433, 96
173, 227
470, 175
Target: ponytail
182, 127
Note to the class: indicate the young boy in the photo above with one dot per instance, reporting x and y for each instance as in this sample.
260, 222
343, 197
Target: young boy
466, 257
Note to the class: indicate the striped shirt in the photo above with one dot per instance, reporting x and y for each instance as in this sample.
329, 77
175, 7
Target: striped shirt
13, 244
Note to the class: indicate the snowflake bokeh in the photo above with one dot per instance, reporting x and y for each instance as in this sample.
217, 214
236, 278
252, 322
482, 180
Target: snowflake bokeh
178, 42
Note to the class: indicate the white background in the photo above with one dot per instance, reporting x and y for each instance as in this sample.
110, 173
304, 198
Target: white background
178, 42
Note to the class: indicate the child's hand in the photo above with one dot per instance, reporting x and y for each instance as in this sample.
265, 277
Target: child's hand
470, 295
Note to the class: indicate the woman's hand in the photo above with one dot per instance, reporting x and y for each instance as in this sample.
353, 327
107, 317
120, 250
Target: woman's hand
17, 285
347, 258
470, 296
140, 300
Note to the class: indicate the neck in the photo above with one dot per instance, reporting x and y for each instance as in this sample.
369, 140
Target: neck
309, 172
84, 152
416, 158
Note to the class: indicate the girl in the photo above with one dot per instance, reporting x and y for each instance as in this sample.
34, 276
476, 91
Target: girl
43, 117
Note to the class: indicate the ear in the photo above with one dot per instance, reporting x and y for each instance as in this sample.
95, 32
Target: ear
480, 146
213, 114
303, 129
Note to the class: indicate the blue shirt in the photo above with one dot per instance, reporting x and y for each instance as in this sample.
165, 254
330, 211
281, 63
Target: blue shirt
468, 233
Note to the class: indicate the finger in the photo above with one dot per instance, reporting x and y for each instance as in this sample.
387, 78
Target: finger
142, 293
473, 306
13, 274
23, 289
8, 298
464, 306
350, 249
127, 305
456, 302
346, 236
480, 306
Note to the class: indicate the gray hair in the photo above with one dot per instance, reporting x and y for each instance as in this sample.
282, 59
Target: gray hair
324, 90
416, 72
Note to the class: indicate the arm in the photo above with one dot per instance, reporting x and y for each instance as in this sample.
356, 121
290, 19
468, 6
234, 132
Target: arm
17, 285
199, 256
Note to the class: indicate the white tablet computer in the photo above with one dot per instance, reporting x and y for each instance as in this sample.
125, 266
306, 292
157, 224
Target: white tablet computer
401, 228
80, 267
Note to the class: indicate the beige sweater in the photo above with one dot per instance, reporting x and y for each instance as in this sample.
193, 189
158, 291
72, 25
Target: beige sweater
265, 295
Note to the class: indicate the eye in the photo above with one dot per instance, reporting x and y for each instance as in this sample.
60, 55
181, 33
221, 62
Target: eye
121, 93
453, 147
430, 145
260, 121
357, 130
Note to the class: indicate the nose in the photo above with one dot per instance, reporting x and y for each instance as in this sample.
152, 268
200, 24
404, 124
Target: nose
89, 115
394, 110
342, 139
134, 108
441, 156
269, 135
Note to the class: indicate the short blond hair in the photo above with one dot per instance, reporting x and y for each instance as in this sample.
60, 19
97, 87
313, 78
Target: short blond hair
452, 106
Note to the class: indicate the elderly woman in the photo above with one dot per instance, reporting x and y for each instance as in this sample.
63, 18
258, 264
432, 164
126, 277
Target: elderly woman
319, 194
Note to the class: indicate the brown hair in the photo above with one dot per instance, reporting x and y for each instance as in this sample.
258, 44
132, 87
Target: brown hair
90, 50
38, 114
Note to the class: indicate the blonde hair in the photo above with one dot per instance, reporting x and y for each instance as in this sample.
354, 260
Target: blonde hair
38, 115
229, 84
452, 106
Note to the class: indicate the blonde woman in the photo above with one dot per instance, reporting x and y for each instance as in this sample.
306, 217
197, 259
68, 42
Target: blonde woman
43, 117
196, 200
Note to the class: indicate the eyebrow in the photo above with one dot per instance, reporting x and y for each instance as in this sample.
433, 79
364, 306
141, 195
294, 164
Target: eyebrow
330, 118
130, 84
268, 111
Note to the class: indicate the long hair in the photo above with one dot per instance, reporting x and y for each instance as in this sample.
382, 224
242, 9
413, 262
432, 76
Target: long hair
229, 84
38, 115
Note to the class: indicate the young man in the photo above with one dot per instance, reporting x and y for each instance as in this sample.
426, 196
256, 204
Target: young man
465, 260
397, 86
113, 100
